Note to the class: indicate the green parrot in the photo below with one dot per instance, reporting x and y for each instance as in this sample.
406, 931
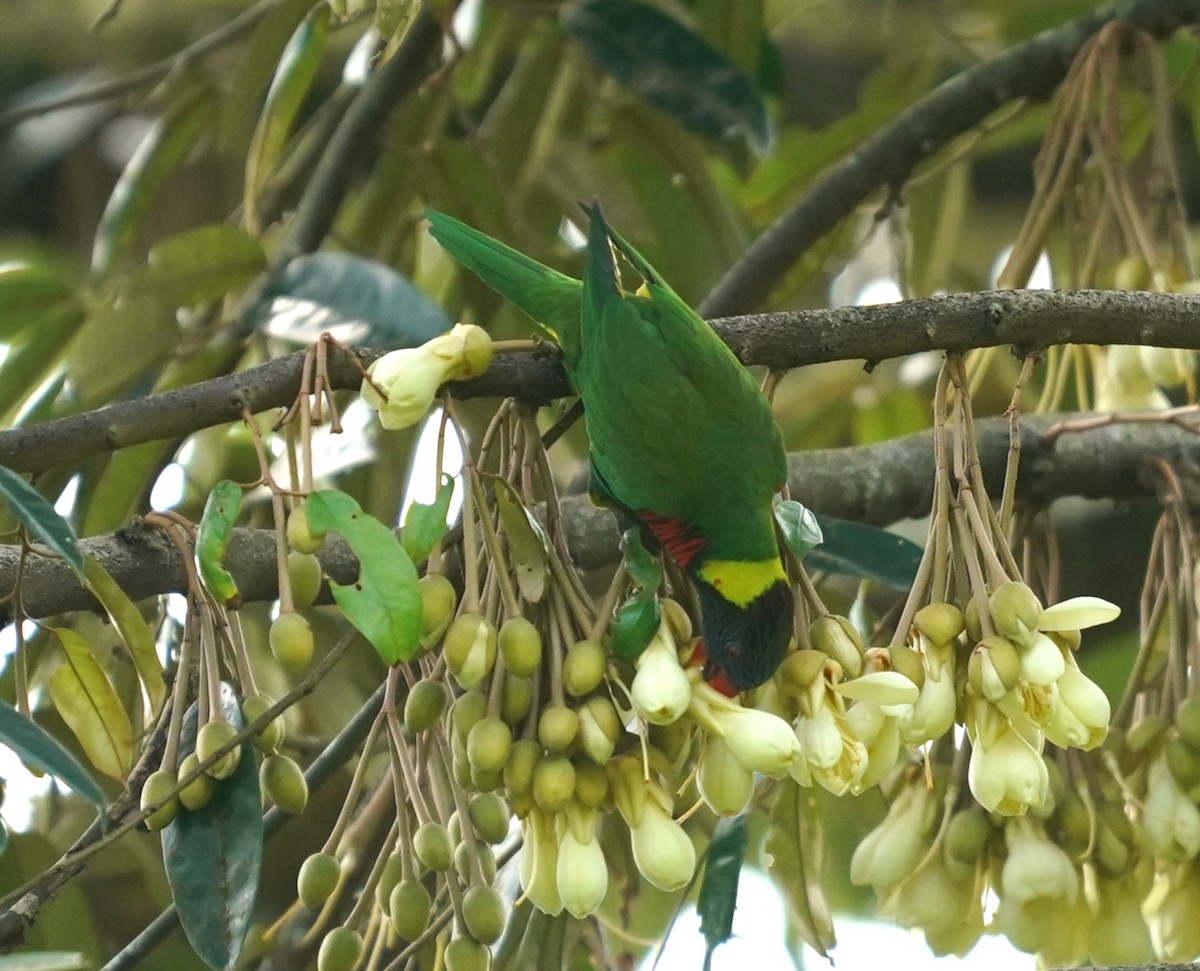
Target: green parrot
682, 440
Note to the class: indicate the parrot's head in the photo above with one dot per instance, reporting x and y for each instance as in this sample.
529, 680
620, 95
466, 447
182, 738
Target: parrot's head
745, 637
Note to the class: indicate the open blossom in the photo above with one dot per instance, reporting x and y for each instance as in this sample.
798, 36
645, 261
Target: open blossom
762, 742
832, 753
410, 377
1078, 613
1079, 713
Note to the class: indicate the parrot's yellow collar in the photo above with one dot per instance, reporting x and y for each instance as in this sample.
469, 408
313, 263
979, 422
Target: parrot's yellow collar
742, 581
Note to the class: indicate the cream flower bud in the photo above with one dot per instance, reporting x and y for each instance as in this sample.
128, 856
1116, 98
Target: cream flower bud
725, 784
1080, 716
1167, 366
888, 853
1042, 660
1170, 820
1078, 613
1171, 909
822, 738
932, 900
1035, 867
661, 690
599, 728
539, 862
1007, 776
581, 873
993, 668
933, 714
883, 750
762, 742
661, 849
1119, 934
410, 377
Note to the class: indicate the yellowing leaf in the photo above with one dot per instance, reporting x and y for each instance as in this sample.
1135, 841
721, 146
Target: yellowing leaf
526, 545
134, 631
88, 704
797, 845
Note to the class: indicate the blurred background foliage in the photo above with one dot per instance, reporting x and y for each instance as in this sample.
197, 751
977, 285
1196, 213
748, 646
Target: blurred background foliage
528, 120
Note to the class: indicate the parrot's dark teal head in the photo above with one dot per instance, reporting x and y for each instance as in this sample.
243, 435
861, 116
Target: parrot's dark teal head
744, 643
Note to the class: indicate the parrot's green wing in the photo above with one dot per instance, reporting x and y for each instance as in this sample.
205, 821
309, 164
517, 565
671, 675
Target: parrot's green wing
551, 298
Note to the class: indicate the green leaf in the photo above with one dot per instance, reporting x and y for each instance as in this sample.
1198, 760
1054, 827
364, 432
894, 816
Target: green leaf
43, 345
88, 703
718, 889
197, 266
672, 68
858, 550
135, 632
43, 752
43, 961
213, 854
644, 567
220, 513
384, 603
634, 625
39, 518
425, 523
358, 301
796, 845
799, 526
27, 293
526, 542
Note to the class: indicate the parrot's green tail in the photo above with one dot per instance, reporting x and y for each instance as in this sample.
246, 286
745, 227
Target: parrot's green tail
551, 298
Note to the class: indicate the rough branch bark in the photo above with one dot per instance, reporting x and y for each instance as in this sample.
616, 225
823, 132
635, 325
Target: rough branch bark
1029, 70
877, 484
1027, 319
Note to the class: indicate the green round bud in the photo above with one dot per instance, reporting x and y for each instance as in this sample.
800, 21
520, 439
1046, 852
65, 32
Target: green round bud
490, 817
523, 758
583, 667
1187, 720
516, 699
425, 705
283, 783
300, 535
484, 914
1184, 763
939, 623
557, 728
470, 648
591, 784
318, 878
393, 872
271, 737
1144, 733
340, 950
487, 861
196, 794
553, 783
486, 781
488, 744
212, 737
466, 711
291, 640
408, 908
159, 785
304, 576
967, 835
971, 622
839, 639
520, 646
1074, 823
465, 954
438, 601
1015, 610
431, 844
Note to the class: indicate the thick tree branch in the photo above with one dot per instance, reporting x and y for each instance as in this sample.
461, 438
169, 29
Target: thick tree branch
1029, 70
1028, 319
877, 484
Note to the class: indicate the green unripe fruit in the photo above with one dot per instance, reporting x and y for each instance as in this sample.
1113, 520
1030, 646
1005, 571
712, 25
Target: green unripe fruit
157, 787
518, 770
557, 728
967, 835
425, 704
196, 794
1187, 721
465, 954
271, 737
284, 784
340, 950
431, 843
484, 914
438, 600
454, 828
291, 640
304, 576
490, 817
583, 667
516, 699
487, 862
553, 783
488, 744
300, 535
591, 785
393, 871
408, 908
210, 738
520, 646
467, 711
940, 623
470, 648
318, 878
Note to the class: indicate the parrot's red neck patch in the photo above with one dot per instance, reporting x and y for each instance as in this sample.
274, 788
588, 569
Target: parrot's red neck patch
674, 535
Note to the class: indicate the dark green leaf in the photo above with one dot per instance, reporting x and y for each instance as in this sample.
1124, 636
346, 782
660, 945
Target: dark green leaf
39, 518
718, 890
858, 550
644, 568
636, 621
384, 603
212, 854
425, 524
197, 266
672, 68
796, 845
799, 526
42, 752
358, 301
220, 513
27, 293
526, 544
